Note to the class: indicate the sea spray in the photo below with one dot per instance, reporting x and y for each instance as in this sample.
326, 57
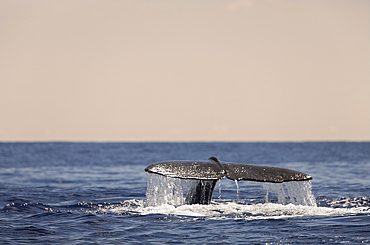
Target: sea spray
295, 192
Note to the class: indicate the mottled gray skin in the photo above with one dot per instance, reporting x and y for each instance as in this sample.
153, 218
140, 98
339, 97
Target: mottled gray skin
210, 171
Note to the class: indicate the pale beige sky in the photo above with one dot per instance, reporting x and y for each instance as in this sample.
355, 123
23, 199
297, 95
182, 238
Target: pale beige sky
184, 70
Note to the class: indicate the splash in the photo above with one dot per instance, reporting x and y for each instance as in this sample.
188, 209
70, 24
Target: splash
294, 192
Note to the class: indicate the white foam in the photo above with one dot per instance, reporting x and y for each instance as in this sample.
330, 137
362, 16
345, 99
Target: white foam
232, 210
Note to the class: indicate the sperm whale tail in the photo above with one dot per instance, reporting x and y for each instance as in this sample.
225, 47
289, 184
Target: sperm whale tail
210, 171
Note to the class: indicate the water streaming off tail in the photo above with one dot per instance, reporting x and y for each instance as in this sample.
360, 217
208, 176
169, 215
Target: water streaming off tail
164, 190
173, 191
237, 189
295, 192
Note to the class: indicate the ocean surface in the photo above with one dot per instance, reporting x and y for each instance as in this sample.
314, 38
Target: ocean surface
95, 193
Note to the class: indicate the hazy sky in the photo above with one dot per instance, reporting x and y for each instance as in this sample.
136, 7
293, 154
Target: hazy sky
184, 70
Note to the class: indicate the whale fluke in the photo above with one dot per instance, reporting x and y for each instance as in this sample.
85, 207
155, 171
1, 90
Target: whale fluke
238, 171
211, 170
201, 170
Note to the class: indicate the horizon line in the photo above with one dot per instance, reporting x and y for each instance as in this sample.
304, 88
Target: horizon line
195, 141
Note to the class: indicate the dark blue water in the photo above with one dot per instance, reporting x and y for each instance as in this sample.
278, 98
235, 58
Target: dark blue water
82, 193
